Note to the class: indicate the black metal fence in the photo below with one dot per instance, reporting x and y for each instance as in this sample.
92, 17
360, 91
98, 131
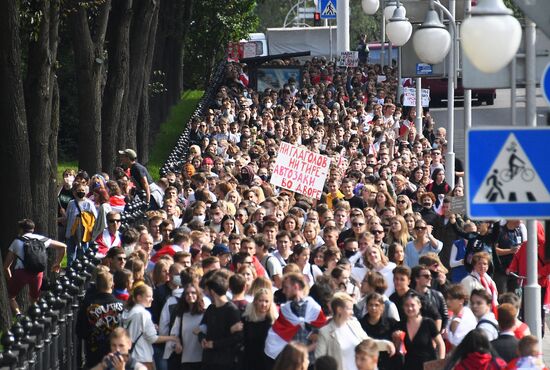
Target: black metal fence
45, 337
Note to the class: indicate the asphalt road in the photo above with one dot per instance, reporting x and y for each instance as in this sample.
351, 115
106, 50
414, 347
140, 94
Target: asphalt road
498, 114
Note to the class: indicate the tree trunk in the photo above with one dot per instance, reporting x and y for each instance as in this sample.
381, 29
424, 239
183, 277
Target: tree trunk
14, 144
143, 21
54, 120
42, 54
118, 46
90, 62
54, 130
144, 118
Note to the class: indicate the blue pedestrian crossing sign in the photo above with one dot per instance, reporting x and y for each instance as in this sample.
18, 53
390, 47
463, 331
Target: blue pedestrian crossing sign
328, 9
508, 173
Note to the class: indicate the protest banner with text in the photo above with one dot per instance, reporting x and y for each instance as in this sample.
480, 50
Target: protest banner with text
300, 170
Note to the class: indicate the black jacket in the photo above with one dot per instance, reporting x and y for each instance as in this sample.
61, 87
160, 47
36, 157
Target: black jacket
506, 346
97, 318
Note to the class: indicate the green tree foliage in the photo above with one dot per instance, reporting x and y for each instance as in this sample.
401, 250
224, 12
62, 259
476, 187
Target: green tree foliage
362, 23
214, 24
272, 13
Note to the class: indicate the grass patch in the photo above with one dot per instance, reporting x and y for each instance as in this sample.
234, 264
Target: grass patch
172, 129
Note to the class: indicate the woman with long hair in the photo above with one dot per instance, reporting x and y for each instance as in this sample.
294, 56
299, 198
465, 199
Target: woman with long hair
475, 352
418, 334
289, 223
399, 231
376, 260
161, 272
137, 320
300, 256
423, 243
396, 254
311, 234
417, 174
188, 316
343, 333
380, 326
229, 225
403, 205
383, 200
257, 319
403, 186
438, 186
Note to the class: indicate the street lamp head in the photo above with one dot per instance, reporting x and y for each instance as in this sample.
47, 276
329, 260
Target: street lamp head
391, 5
399, 29
370, 6
432, 41
491, 36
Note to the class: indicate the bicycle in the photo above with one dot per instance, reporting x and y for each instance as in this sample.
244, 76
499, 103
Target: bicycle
526, 174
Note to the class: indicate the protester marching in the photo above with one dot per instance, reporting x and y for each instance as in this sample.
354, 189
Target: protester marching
309, 227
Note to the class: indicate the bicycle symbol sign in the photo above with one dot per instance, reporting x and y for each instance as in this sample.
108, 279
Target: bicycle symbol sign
509, 177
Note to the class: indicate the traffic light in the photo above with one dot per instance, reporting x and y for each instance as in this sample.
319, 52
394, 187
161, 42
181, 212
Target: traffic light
316, 19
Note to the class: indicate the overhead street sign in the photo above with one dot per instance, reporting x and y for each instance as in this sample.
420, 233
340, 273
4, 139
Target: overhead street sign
508, 173
328, 9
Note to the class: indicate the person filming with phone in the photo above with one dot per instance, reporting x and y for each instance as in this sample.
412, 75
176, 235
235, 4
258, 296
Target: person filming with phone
120, 357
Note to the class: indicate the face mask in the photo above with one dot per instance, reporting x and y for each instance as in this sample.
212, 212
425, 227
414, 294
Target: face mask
268, 105
263, 177
80, 194
322, 146
199, 218
69, 180
349, 254
176, 280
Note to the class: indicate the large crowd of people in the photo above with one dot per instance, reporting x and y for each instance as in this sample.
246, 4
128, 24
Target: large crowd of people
231, 272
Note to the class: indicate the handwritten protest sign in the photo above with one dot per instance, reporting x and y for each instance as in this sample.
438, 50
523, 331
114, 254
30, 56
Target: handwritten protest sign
348, 59
409, 97
300, 170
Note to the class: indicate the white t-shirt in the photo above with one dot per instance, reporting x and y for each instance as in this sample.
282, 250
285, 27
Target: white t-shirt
16, 247
192, 350
348, 341
140, 326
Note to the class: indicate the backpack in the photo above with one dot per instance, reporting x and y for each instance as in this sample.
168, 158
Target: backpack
473, 247
35, 255
83, 225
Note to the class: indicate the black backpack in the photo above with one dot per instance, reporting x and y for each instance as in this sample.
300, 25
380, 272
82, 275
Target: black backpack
35, 255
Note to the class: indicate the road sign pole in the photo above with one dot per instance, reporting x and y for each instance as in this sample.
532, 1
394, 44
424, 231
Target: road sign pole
418, 120
342, 20
532, 297
450, 156
467, 92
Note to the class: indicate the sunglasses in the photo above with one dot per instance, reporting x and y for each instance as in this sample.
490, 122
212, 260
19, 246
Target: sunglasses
420, 228
401, 201
112, 221
377, 231
121, 258
357, 224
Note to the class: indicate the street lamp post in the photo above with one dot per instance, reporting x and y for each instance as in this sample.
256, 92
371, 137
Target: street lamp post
432, 43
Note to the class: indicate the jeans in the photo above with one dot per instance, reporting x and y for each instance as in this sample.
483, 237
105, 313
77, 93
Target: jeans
158, 352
